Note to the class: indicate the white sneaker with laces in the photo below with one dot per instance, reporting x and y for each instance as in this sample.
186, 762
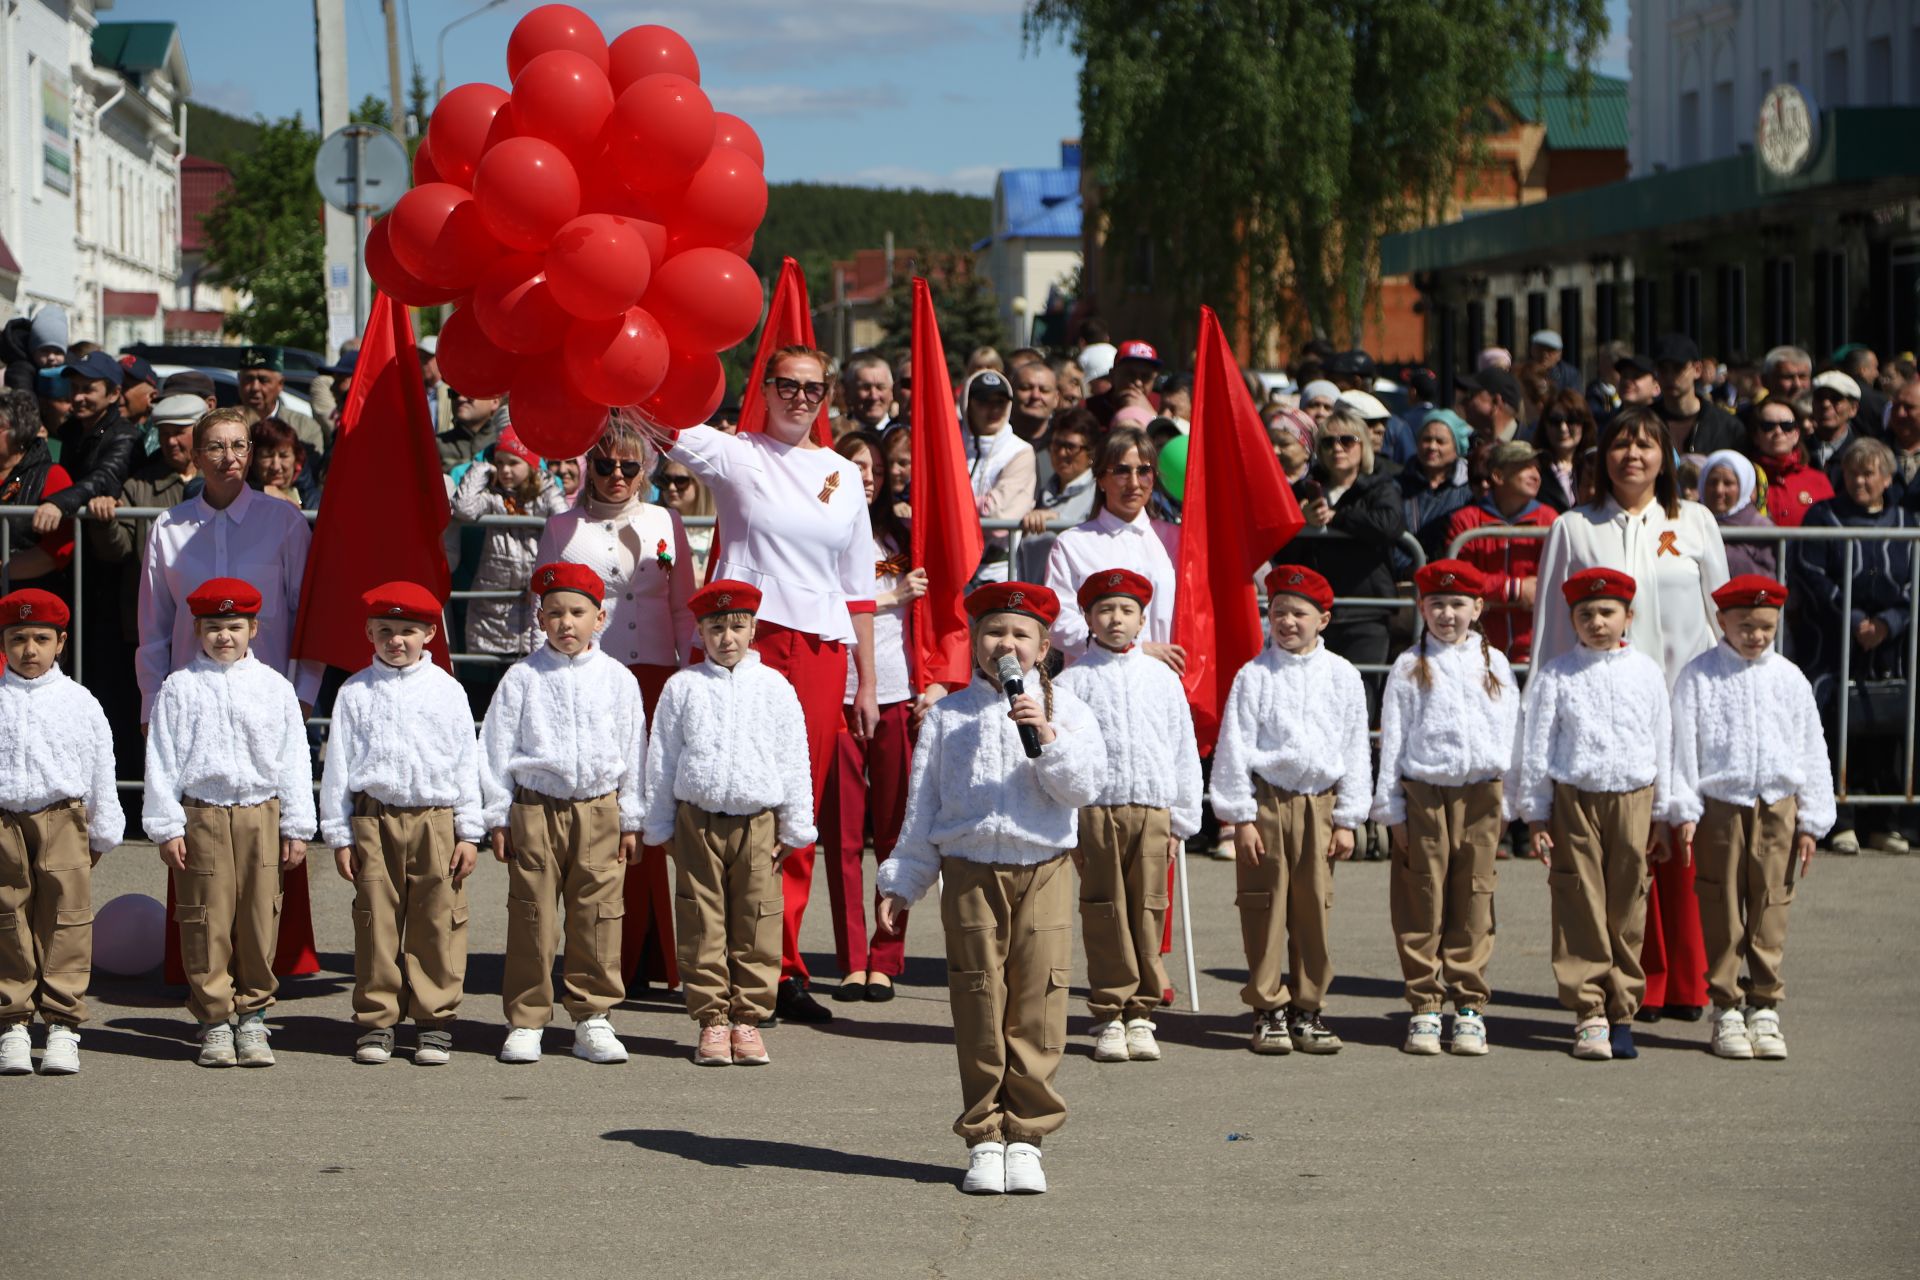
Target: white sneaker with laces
594, 1041
16, 1050
1141, 1046
1110, 1042
216, 1045
986, 1169
1730, 1038
250, 1041
523, 1045
1763, 1030
1423, 1035
1024, 1174
62, 1057
375, 1047
1469, 1034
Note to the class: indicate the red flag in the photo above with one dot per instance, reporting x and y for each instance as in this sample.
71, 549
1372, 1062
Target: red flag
789, 323
1239, 511
947, 541
383, 510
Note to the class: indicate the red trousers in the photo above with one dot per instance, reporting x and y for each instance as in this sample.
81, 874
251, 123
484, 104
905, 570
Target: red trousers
817, 670
293, 956
646, 933
1673, 954
868, 783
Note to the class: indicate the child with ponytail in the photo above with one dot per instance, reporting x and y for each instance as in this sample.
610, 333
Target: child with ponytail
1449, 721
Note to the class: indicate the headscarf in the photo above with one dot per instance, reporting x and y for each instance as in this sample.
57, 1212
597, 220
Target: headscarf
1462, 433
1742, 471
1319, 389
1296, 421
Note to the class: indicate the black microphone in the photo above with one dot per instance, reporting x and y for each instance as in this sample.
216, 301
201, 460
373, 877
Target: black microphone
1008, 669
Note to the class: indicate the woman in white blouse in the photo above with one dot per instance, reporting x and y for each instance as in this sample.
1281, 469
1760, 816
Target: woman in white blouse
1119, 536
1639, 524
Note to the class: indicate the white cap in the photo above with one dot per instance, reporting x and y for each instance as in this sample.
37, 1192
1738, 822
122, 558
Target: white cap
177, 407
429, 344
1546, 338
1834, 380
1366, 405
1096, 359
1319, 389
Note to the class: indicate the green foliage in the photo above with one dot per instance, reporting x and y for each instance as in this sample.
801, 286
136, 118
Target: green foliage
265, 238
1262, 147
817, 225
216, 135
373, 109
963, 302
417, 107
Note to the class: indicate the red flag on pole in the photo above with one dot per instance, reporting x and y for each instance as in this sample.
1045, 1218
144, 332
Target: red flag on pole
947, 541
383, 511
1239, 511
789, 323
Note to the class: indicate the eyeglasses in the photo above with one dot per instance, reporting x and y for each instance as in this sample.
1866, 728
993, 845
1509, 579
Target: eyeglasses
788, 388
1776, 427
607, 466
1143, 472
1339, 442
676, 482
1061, 446
223, 450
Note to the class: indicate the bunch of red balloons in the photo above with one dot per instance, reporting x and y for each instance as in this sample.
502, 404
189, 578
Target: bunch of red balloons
592, 227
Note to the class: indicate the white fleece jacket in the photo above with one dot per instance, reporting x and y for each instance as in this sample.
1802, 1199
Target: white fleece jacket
570, 728
730, 741
975, 795
403, 735
1747, 732
1451, 734
1141, 707
1599, 721
1300, 722
55, 746
227, 734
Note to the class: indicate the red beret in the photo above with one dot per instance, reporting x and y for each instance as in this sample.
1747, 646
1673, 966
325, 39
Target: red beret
1014, 597
33, 607
1298, 580
224, 598
510, 442
1599, 584
725, 595
408, 600
1751, 590
1450, 577
569, 577
1115, 582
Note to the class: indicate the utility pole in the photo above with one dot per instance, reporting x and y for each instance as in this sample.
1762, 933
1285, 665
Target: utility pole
394, 89
330, 52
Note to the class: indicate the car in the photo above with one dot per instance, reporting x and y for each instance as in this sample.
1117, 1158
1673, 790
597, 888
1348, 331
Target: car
226, 386
301, 363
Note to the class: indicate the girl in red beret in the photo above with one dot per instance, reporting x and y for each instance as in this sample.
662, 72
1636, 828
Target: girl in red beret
1449, 718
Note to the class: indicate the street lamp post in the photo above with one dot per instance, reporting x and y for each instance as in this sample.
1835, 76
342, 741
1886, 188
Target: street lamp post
440, 73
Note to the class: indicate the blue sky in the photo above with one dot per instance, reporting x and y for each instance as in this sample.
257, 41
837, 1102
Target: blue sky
933, 93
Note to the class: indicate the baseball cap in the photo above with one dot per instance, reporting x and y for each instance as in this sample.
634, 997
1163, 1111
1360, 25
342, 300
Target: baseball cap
137, 370
190, 382
97, 365
1350, 364
1675, 348
1546, 338
990, 383
1368, 406
1502, 384
1096, 360
1511, 452
1839, 383
182, 407
1134, 349
1636, 362
429, 345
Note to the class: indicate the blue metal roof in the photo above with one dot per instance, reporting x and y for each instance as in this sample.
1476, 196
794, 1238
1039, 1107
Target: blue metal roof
1040, 203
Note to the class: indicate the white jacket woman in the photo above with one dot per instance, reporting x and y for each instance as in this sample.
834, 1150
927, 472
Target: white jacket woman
508, 555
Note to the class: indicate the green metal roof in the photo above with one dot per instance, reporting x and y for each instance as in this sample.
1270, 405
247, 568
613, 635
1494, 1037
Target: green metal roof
1594, 122
132, 46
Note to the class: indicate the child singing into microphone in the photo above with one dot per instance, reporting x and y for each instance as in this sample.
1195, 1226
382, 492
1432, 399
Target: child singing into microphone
992, 809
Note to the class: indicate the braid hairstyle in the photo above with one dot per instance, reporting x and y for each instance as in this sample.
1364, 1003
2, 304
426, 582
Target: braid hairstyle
1039, 668
1422, 674
1491, 681
1046, 688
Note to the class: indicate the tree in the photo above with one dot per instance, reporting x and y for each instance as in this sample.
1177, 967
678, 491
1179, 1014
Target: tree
373, 109
264, 238
963, 302
1258, 149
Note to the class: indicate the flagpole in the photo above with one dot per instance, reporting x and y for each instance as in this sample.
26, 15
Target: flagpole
1186, 930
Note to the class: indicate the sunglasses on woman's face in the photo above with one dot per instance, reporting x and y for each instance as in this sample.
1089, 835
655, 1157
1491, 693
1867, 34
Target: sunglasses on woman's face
676, 482
1340, 442
788, 388
1143, 472
1768, 426
607, 466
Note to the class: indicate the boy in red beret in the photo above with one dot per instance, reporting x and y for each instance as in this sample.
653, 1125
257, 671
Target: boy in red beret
59, 813
1595, 777
992, 809
400, 808
1752, 792
1449, 720
1293, 771
229, 800
562, 801
1148, 806
730, 792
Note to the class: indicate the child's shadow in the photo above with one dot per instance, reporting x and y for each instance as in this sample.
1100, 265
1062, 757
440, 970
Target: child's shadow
745, 1153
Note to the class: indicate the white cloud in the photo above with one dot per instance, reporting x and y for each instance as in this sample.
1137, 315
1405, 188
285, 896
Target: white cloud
760, 100
974, 180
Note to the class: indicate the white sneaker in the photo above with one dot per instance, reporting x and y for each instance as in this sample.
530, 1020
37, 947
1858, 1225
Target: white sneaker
1141, 1046
216, 1045
1024, 1174
1469, 1034
1730, 1038
435, 1047
523, 1045
1110, 1042
375, 1047
1763, 1029
62, 1057
1890, 842
250, 1041
1591, 1040
1846, 843
986, 1170
16, 1050
1423, 1035
594, 1041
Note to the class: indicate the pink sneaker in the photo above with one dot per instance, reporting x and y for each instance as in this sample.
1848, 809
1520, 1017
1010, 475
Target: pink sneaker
749, 1050
713, 1050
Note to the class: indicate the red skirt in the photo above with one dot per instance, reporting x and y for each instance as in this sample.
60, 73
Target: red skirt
646, 934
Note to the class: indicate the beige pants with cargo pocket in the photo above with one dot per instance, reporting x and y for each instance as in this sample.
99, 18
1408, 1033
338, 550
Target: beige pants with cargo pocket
1598, 884
1441, 896
1123, 907
227, 902
46, 914
1283, 901
563, 852
409, 917
1740, 861
727, 900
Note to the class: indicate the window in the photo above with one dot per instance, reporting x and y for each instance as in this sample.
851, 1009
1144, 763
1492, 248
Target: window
1573, 348
1723, 119
1646, 319
1834, 83
1476, 335
1730, 291
1686, 303
1880, 71
1606, 312
1689, 124
1536, 312
1778, 303
1829, 301
1503, 324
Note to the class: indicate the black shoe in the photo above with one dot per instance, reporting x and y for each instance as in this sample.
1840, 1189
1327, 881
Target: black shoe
847, 991
1684, 1012
879, 993
1647, 1014
796, 1004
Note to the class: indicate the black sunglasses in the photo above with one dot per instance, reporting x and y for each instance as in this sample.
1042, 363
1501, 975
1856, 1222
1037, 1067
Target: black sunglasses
790, 388
676, 482
1342, 442
607, 466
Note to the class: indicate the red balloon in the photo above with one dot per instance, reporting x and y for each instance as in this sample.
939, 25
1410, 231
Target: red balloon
730, 130
661, 131
553, 417
515, 308
695, 385
469, 360
527, 190
639, 52
617, 361
723, 204
457, 131
550, 27
439, 237
598, 265
656, 237
563, 97
742, 249
423, 170
395, 280
708, 299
